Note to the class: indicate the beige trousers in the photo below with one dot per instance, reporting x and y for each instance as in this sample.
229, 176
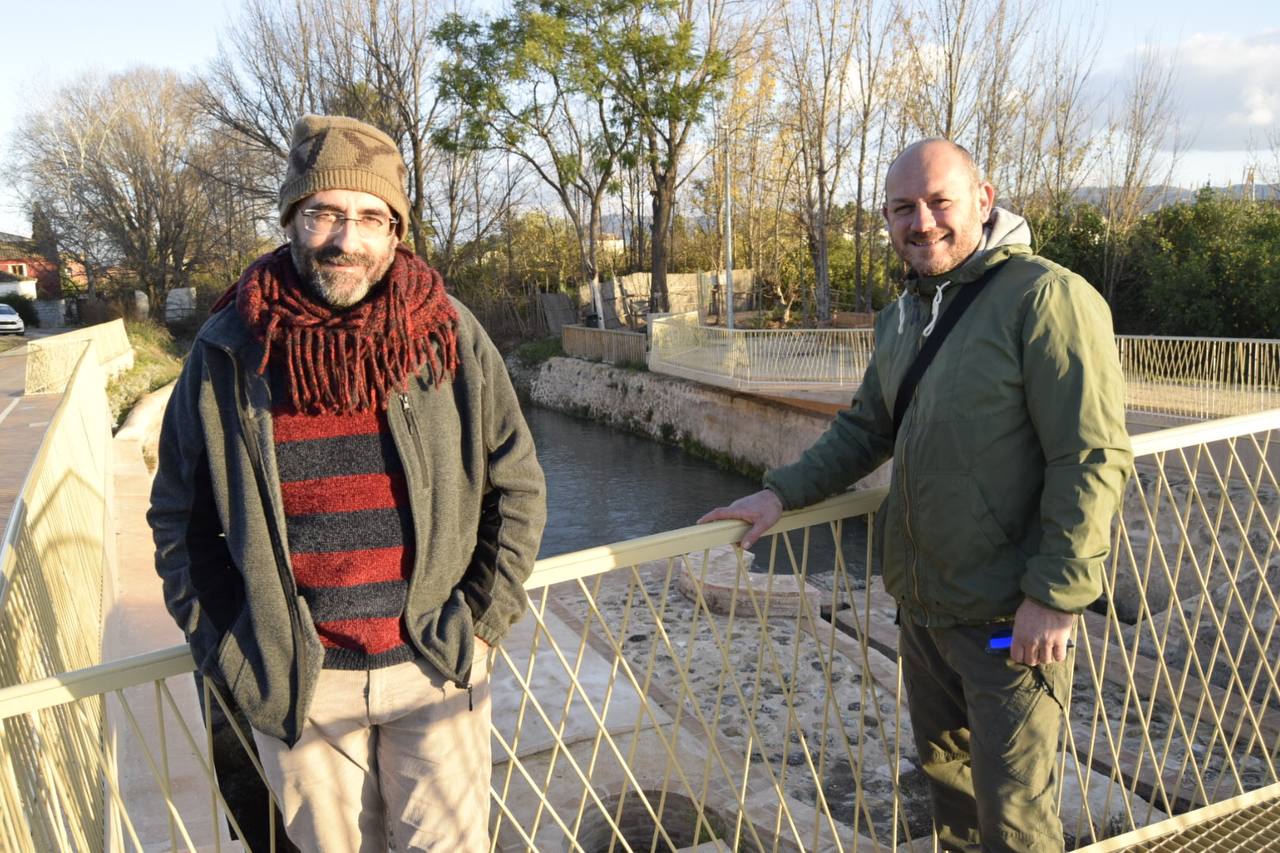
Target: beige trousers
388, 759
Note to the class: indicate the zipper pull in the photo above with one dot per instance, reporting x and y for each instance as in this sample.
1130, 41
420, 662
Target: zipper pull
408, 413
470, 705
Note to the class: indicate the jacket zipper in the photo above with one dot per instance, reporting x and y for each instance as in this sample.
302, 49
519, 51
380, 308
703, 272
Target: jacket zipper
906, 503
411, 422
287, 580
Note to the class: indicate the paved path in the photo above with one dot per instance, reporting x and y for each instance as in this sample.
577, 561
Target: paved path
22, 423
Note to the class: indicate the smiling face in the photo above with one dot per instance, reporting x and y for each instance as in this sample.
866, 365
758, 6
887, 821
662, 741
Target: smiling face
342, 267
936, 206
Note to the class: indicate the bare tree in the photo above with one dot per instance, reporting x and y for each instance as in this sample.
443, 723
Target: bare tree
821, 48
369, 59
944, 39
1134, 180
112, 162
1006, 86
873, 33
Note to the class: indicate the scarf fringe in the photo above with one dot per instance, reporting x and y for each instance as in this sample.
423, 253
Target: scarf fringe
354, 360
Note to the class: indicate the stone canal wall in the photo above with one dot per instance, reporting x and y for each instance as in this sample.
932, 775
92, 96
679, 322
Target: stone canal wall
745, 432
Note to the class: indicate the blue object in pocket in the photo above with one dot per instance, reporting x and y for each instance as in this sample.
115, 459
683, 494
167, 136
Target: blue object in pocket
1000, 641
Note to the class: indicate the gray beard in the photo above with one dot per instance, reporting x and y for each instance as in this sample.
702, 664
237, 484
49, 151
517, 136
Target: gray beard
336, 289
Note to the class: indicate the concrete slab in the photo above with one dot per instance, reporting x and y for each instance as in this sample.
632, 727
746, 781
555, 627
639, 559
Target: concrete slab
151, 744
553, 688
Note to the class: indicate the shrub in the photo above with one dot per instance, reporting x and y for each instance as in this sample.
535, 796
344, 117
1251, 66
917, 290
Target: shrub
536, 352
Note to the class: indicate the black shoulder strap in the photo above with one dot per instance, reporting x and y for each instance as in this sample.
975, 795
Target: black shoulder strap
968, 293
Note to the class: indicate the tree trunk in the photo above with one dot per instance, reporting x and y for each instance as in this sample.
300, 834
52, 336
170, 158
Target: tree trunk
664, 194
819, 252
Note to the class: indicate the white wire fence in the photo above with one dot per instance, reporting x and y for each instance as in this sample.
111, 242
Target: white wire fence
1184, 378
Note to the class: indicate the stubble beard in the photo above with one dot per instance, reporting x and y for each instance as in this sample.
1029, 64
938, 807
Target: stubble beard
339, 288
954, 253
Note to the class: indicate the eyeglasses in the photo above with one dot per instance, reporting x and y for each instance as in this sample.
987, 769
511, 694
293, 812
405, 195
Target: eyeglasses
326, 222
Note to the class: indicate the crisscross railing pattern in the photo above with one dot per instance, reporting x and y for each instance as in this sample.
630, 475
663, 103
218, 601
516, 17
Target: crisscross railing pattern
672, 691
1195, 378
759, 359
1200, 377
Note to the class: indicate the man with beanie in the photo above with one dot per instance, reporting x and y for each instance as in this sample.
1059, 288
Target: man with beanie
1009, 461
346, 506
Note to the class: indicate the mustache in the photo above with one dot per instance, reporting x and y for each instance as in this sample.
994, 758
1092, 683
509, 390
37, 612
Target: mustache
332, 254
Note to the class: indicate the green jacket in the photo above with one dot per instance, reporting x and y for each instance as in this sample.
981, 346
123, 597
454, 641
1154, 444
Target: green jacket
476, 495
1011, 460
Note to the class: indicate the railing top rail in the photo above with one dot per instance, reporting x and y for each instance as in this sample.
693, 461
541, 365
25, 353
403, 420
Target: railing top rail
696, 537
93, 680
867, 331
1203, 433
1273, 341
166, 663
859, 332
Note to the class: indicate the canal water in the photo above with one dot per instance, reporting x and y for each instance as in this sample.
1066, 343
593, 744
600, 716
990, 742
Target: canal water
606, 485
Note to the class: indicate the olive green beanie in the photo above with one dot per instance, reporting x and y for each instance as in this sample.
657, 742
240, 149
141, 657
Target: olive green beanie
340, 153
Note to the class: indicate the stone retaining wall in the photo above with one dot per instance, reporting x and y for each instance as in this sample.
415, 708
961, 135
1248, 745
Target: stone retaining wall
747, 432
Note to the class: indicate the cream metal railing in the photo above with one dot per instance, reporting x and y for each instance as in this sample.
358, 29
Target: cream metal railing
660, 694
759, 359
1191, 378
53, 557
1200, 377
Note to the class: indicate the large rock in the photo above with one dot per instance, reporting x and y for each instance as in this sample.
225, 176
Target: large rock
724, 576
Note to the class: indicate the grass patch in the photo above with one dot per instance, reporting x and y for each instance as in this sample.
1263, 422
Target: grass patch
157, 359
535, 352
9, 342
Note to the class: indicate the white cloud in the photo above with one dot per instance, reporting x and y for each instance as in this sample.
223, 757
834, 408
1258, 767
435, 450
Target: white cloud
1228, 88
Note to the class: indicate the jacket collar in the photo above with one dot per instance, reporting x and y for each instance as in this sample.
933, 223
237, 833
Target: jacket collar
971, 270
227, 331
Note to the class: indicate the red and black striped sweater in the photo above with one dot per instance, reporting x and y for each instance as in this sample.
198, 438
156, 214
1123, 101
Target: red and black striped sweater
349, 530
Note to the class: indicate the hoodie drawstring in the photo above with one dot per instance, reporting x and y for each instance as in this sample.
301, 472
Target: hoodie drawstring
902, 308
937, 303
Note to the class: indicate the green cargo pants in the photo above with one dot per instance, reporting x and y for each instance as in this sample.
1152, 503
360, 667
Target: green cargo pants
987, 732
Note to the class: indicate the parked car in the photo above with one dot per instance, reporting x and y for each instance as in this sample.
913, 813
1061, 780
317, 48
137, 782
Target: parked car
10, 322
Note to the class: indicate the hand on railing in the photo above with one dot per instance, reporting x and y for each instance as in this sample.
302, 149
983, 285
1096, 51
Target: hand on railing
761, 510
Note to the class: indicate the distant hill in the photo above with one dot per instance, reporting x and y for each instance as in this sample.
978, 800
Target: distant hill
1164, 196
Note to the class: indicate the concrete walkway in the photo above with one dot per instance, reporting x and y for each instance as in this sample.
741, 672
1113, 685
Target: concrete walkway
137, 622
22, 426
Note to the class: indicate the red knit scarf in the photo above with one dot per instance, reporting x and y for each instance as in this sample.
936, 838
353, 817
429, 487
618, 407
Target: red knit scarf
349, 360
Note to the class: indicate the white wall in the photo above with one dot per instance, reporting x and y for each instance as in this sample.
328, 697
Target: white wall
26, 287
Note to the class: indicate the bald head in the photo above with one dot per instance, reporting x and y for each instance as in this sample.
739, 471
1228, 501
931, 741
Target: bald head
935, 205
934, 148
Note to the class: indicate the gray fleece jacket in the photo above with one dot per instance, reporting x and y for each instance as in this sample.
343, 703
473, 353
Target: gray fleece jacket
476, 494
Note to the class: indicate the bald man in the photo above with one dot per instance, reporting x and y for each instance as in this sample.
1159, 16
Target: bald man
1010, 461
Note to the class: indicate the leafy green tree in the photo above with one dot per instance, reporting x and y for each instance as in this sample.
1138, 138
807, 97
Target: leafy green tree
1071, 234
668, 65
536, 83
1210, 267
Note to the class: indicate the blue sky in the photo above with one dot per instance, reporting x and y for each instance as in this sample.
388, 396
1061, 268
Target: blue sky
1228, 60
